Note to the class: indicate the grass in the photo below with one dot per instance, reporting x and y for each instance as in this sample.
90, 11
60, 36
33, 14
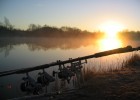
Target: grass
133, 61
118, 84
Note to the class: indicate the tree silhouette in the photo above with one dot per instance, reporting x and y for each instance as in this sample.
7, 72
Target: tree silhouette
7, 23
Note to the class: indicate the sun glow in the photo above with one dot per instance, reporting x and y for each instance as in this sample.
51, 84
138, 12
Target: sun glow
109, 43
111, 28
111, 40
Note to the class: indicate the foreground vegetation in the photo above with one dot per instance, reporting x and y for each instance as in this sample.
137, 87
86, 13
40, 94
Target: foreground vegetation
121, 84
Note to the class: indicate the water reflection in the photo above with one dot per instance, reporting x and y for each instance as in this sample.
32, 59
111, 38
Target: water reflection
109, 43
6, 49
36, 44
7, 44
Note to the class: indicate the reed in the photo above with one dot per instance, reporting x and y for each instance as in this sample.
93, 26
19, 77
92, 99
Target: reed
133, 61
130, 63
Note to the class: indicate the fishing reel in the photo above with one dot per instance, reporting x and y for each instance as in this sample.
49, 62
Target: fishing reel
30, 85
65, 73
77, 66
44, 78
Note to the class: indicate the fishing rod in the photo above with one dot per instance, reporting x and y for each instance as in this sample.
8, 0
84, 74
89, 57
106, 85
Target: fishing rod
58, 63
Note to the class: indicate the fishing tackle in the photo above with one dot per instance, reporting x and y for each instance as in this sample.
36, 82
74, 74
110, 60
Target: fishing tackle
44, 78
77, 66
64, 73
30, 85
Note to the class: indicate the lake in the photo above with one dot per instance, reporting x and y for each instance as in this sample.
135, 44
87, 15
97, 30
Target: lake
16, 53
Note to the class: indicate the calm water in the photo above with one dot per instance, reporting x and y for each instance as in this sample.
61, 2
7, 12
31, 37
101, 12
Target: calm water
27, 52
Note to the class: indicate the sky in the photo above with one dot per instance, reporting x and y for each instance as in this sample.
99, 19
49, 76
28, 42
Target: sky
83, 14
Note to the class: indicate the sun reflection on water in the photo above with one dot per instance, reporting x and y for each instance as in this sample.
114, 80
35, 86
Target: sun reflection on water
109, 43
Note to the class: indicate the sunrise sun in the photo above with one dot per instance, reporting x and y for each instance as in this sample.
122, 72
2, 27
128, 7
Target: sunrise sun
111, 28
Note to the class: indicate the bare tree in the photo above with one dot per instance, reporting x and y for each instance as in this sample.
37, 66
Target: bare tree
32, 27
7, 23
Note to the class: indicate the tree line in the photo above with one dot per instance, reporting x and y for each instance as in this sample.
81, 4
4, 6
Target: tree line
131, 35
33, 30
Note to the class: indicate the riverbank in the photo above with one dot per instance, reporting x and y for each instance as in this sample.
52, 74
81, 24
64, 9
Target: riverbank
121, 85
117, 85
